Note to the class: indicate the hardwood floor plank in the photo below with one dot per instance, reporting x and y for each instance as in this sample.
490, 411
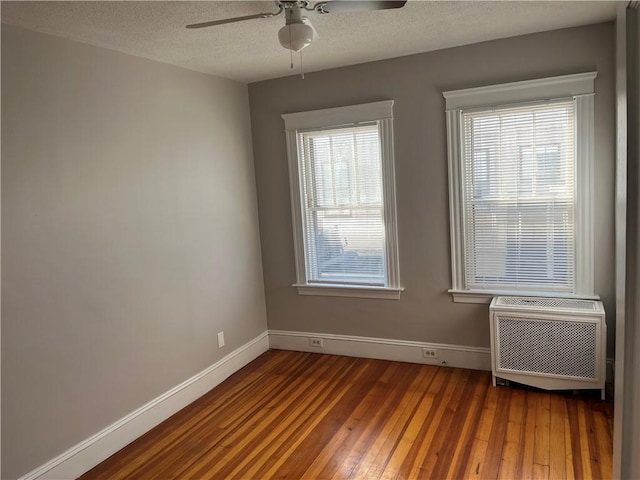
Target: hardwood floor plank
308, 445
511, 449
294, 415
218, 437
414, 425
373, 463
604, 441
557, 454
480, 444
541, 447
580, 466
583, 434
463, 444
540, 472
427, 449
476, 459
527, 442
367, 421
491, 464
439, 458
379, 374
594, 449
343, 440
300, 394
568, 444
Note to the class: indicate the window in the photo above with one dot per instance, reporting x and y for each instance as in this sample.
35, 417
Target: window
343, 200
521, 188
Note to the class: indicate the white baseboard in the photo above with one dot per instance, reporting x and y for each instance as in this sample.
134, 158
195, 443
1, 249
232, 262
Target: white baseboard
89, 453
477, 358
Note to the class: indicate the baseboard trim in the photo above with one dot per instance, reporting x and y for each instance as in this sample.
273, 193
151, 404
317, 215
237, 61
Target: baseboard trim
476, 358
89, 453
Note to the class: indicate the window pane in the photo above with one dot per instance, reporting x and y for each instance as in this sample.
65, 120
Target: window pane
344, 222
349, 246
518, 180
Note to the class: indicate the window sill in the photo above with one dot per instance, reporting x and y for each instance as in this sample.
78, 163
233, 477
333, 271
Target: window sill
354, 291
485, 296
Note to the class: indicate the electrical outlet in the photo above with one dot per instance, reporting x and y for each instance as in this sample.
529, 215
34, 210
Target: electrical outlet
220, 339
429, 353
315, 342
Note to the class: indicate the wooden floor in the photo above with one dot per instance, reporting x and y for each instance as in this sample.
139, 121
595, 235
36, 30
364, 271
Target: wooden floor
300, 415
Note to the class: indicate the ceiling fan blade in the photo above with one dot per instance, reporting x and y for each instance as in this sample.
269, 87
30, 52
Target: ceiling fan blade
233, 20
337, 6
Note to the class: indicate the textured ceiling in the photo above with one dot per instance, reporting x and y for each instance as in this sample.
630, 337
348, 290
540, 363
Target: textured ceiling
249, 51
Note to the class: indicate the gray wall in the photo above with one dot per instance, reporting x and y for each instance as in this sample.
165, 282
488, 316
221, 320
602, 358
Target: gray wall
425, 311
130, 237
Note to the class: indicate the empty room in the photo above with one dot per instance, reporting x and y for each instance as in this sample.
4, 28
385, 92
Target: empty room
344, 239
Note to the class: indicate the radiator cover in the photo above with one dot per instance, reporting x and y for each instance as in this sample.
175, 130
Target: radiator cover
550, 343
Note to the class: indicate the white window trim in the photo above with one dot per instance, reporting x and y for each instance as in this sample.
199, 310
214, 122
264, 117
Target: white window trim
580, 87
334, 117
349, 291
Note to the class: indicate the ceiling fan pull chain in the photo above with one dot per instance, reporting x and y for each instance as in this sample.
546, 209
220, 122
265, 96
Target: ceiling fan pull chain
291, 51
301, 66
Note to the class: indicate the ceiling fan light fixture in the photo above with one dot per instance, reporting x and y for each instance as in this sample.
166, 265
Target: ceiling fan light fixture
296, 36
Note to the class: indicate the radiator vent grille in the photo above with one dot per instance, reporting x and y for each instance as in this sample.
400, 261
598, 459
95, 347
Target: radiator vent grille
541, 302
548, 347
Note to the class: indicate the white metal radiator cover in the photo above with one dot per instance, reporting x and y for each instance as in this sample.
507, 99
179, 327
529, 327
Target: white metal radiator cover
548, 347
551, 343
547, 304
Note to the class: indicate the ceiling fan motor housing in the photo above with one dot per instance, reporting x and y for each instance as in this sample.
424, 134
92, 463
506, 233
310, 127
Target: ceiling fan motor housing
297, 32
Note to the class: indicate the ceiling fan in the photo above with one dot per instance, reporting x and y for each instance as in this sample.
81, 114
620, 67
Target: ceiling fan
298, 32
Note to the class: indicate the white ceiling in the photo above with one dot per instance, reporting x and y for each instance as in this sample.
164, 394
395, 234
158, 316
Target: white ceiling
249, 51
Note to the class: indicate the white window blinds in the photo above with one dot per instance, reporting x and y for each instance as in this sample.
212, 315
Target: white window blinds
342, 205
518, 193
